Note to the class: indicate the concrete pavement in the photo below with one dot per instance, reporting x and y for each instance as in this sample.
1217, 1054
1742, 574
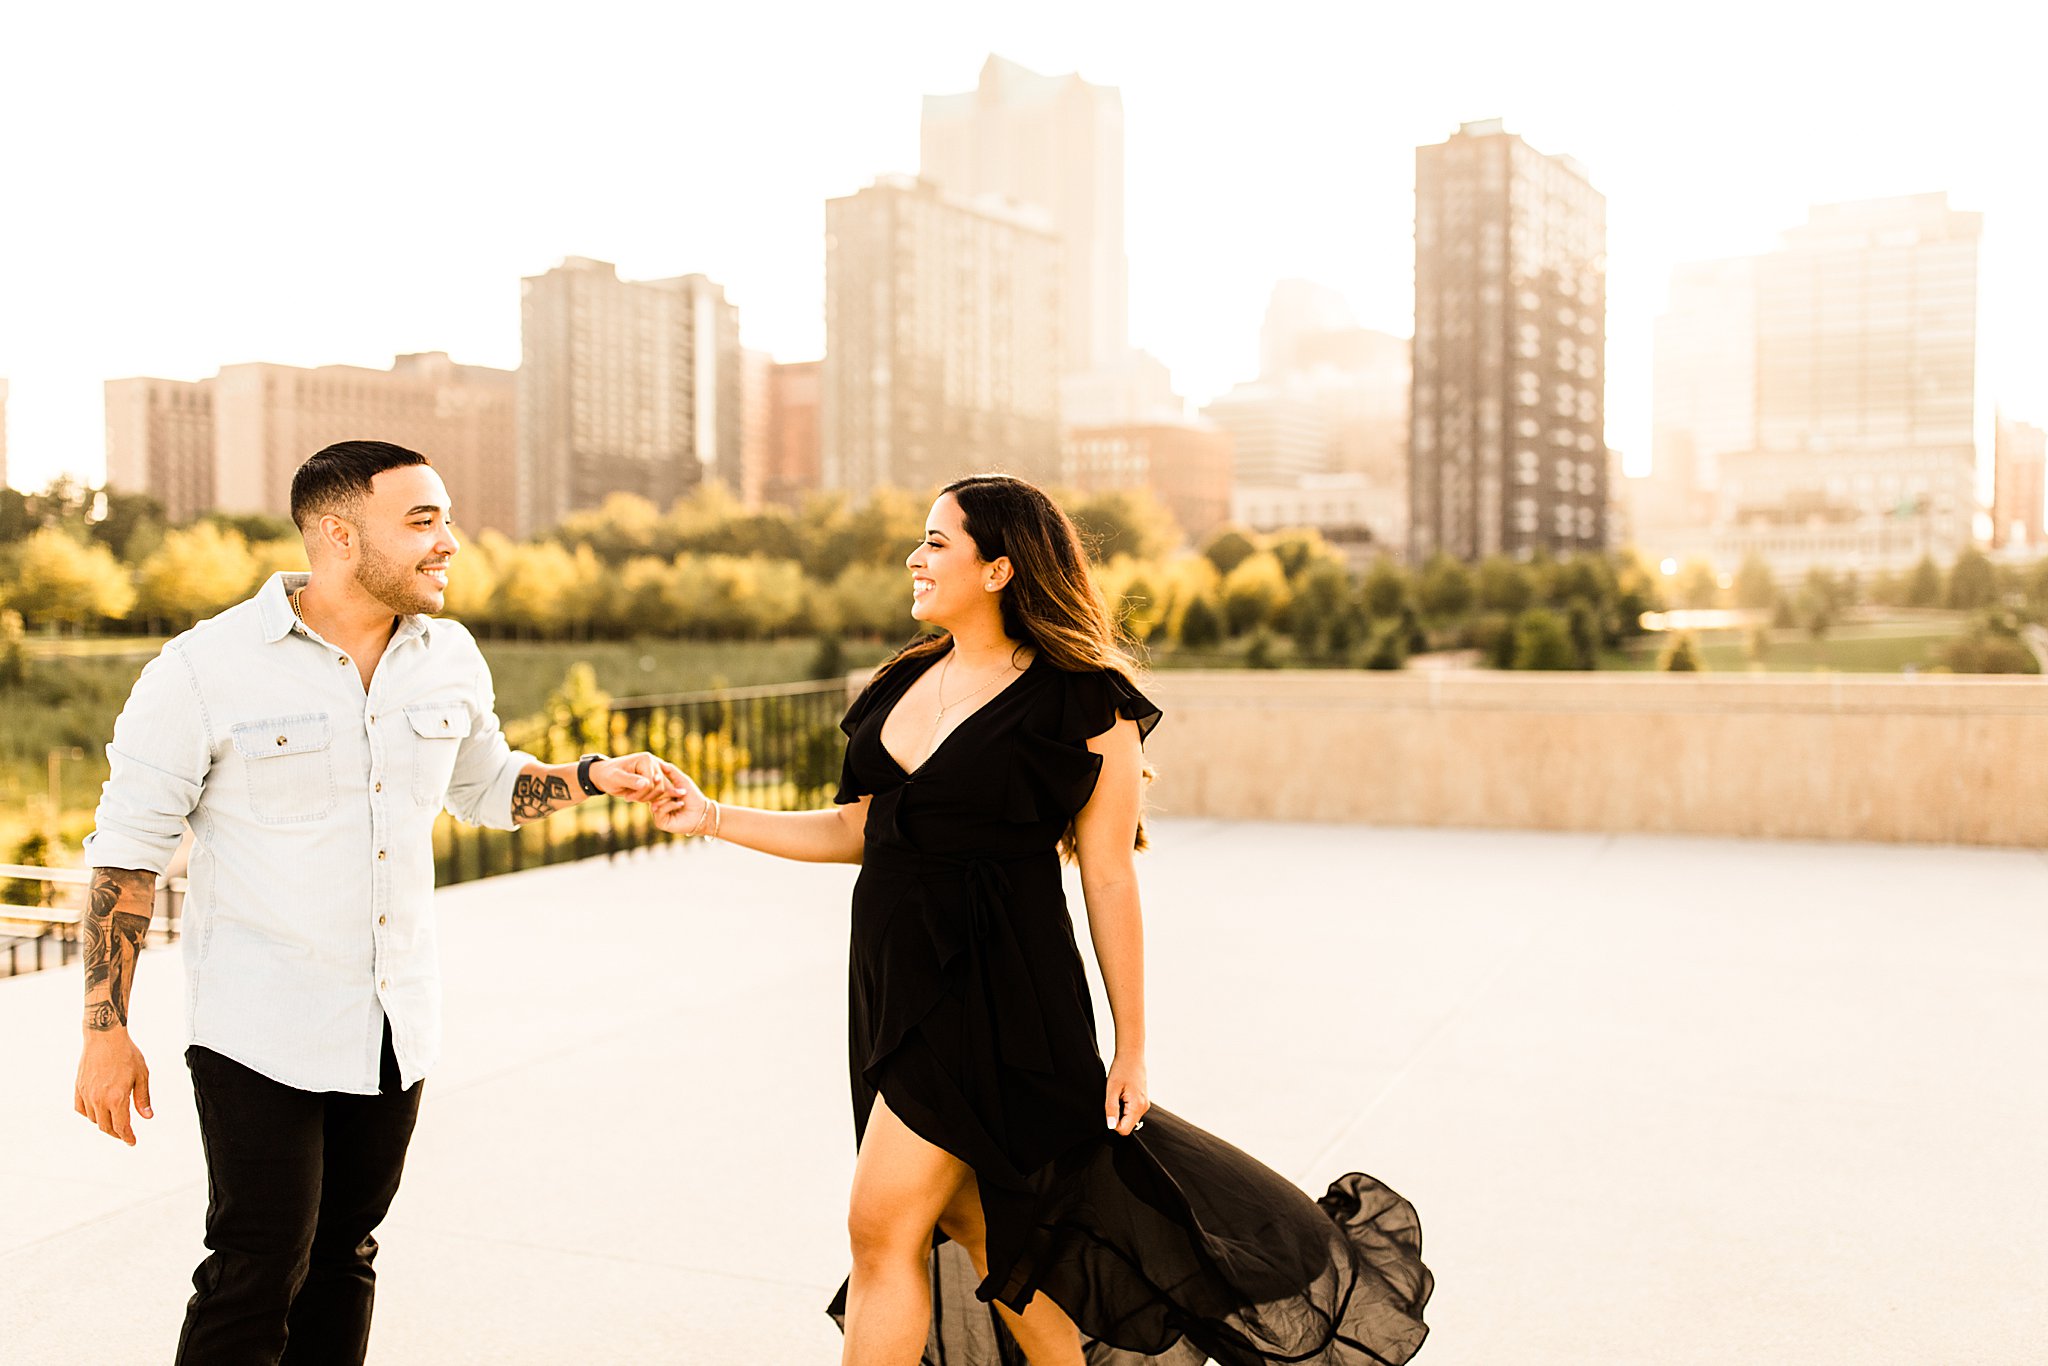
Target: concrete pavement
1658, 1100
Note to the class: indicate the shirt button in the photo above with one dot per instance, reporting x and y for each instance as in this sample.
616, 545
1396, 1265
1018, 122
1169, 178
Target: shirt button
280, 739
378, 788
341, 660
380, 853
380, 920
384, 985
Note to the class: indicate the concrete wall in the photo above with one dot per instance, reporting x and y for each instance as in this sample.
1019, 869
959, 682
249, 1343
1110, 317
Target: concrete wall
1816, 756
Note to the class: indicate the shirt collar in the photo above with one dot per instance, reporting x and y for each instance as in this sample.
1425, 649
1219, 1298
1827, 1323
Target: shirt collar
274, 610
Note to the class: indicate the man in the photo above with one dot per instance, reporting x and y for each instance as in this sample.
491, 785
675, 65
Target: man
308, 736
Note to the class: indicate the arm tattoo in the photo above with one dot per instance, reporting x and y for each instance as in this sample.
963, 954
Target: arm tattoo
116, 922
539, 794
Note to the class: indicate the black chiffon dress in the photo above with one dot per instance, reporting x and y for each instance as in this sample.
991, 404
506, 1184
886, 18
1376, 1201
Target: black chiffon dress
970, 1011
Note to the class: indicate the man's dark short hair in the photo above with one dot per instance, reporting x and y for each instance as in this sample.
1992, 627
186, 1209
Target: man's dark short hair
338, 478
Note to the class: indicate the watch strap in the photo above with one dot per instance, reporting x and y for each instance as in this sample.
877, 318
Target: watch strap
590, 789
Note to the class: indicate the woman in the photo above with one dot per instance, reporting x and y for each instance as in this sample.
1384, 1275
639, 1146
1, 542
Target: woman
1103, 1229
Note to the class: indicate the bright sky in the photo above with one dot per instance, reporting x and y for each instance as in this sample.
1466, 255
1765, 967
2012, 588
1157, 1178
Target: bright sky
188, 186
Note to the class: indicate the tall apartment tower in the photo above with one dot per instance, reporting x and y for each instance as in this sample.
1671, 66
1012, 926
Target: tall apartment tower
1506, 448
232, 443
941, 339
1056, 142
1866, 382
160, 442
625, 386
2020, 486
1703, 384
792, 469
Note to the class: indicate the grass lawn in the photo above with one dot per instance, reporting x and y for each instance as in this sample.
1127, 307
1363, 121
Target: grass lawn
1881, 647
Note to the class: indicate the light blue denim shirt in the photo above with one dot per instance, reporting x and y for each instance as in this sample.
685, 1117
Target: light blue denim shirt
310, 912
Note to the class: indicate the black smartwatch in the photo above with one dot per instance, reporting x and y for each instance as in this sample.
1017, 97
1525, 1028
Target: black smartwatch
590, 789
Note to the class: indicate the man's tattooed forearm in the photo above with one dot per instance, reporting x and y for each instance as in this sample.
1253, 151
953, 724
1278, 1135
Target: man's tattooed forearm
538, 794
112, 938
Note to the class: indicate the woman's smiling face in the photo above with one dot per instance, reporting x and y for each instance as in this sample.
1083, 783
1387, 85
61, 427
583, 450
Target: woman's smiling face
948, 577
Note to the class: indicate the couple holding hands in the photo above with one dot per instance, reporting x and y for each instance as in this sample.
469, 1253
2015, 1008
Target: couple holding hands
1014, 1199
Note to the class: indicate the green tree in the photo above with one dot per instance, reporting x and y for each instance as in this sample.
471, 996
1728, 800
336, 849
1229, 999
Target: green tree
623, 526
874, 600
255, 526
13, 650
1254, 593
1971, 582
1388, 650
131, 524
1698, 586
1229, 548
17, 518
1923, 585
536, 583
1754, 587
194, 572
1681, 655
1261, 653
1542, 641
59, 579
1505, 586
1385, 591
1200, 626
1321, 596
1445, 592
1124, 522
1820, 602
1300, 547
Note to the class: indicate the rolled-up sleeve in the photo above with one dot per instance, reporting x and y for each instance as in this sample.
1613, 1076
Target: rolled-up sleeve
157, 762
486, 765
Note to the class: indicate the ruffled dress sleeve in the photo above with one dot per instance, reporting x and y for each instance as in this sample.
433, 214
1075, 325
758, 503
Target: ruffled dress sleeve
1056, 772
851, 786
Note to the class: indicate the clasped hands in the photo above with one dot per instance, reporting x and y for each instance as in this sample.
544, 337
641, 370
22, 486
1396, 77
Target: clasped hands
678, 805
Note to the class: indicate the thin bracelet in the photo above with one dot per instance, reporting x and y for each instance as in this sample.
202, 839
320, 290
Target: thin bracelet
712, 815
717, 818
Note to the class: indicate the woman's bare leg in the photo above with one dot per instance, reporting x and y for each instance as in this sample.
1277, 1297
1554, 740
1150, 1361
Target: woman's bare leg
900, 1185
1043, 1330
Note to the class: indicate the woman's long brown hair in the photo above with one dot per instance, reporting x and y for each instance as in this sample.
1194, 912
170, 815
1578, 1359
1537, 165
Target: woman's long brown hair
1050, 602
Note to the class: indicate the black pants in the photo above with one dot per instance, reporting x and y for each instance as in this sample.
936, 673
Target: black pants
296, 1181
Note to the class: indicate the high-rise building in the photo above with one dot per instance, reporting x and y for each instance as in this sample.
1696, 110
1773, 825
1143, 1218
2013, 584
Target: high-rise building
942, 336
792, 469
1816, 405
1297, 311
160, 442
232, 443
1056, 142
1280, 430
1136, 388
757, 371
1185, 465
1507, 452
1703, 383
2021, 486
1358, 517
625, 386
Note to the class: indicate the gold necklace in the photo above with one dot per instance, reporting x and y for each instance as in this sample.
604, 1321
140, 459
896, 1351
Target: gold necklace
293, 599
945, 670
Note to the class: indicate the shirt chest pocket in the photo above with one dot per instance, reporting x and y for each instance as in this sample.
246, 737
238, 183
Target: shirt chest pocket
290, 763
438, 730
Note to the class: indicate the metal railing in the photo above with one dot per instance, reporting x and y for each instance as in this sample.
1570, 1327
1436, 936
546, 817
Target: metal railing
777, 747
38, 931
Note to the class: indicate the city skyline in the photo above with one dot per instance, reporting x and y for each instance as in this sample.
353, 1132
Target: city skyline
344, 244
